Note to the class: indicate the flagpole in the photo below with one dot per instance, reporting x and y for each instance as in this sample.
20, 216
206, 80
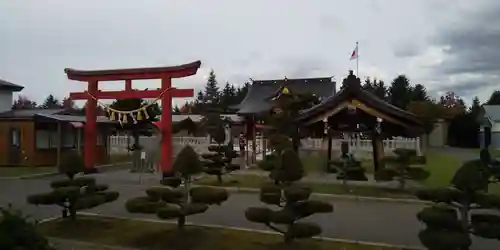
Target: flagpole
357, 59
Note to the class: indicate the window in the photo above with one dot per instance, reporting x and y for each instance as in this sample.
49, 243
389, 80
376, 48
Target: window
42, 139
48, 139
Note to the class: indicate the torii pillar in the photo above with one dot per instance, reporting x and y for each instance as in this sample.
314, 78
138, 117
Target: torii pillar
93, 77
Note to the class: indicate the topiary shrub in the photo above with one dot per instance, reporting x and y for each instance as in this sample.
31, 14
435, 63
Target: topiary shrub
402, 167
74, 194
16, 232
173, 201
348, 167
450, 221
292, 198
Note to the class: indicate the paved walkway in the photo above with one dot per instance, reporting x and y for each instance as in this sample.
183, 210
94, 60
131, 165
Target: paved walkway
385, 222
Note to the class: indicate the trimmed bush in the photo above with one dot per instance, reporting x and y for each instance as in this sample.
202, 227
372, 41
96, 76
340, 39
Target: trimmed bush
402, 167
74, 194
291, 197
176, 199
16, 232
447, 221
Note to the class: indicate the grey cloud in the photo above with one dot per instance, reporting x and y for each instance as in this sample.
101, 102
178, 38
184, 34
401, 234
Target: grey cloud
473, 48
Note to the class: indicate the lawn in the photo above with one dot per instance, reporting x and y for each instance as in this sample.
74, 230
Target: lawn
165, 236
24, 171
253, 181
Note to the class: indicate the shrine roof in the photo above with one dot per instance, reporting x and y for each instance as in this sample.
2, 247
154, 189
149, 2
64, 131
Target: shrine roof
133, 73
353, 91
10, 86
259, 93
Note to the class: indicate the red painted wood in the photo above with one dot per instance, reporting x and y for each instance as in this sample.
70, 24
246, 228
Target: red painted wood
132, 94
128, 85
166, 130
164, 73
90, 133
134, 74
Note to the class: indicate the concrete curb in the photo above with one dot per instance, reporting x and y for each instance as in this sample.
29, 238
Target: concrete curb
35, 176
333, 196
256, 231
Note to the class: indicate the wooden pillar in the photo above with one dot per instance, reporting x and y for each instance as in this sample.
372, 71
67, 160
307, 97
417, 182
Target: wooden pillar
329, 153
166, 118
78, 140
59, 144
89, 142
128, 85
254, 142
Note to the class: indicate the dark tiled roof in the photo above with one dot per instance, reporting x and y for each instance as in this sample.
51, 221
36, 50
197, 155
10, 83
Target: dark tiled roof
258, 100
10, 86
72, 118
354, 91
29, 113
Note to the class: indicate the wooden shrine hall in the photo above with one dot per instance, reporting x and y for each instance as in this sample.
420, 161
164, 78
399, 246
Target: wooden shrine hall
354, 110
259, 99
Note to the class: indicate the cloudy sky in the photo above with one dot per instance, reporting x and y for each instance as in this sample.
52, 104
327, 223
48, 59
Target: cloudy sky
443, 44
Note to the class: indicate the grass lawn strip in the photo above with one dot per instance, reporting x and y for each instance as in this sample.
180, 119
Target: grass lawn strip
10, 172
22, 171
159, 235
253, 181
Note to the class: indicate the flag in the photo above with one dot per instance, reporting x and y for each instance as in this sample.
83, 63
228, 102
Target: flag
354, 54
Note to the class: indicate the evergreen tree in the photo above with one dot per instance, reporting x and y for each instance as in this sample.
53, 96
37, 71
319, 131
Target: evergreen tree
17, 231
211, 94
241, 92
292, 199
219, 160
380, 90
226, 97
51, 102
400, 92
74, 194
23, 102
175, 201
419, 93
494, 98
67, 103
368, 85
176, 110
475, 108
450, 221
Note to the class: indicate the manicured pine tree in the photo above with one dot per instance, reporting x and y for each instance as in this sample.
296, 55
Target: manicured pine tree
405, 166
462, 209
292, 199
174, 201
74, 194
219, 160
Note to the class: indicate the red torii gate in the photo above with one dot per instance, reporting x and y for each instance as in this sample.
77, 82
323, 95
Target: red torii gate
93, 77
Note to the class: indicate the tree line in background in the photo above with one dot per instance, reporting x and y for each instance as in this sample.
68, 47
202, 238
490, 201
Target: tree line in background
463, 125
219, 98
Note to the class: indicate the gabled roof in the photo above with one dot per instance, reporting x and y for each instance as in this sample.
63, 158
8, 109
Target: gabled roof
30, 113
258, 98
492, 112
66, 115
353, 91
10, 86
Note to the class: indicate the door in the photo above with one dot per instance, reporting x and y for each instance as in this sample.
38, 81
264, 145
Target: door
15, 153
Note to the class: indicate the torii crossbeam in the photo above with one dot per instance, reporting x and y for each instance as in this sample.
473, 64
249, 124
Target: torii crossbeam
93, 77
